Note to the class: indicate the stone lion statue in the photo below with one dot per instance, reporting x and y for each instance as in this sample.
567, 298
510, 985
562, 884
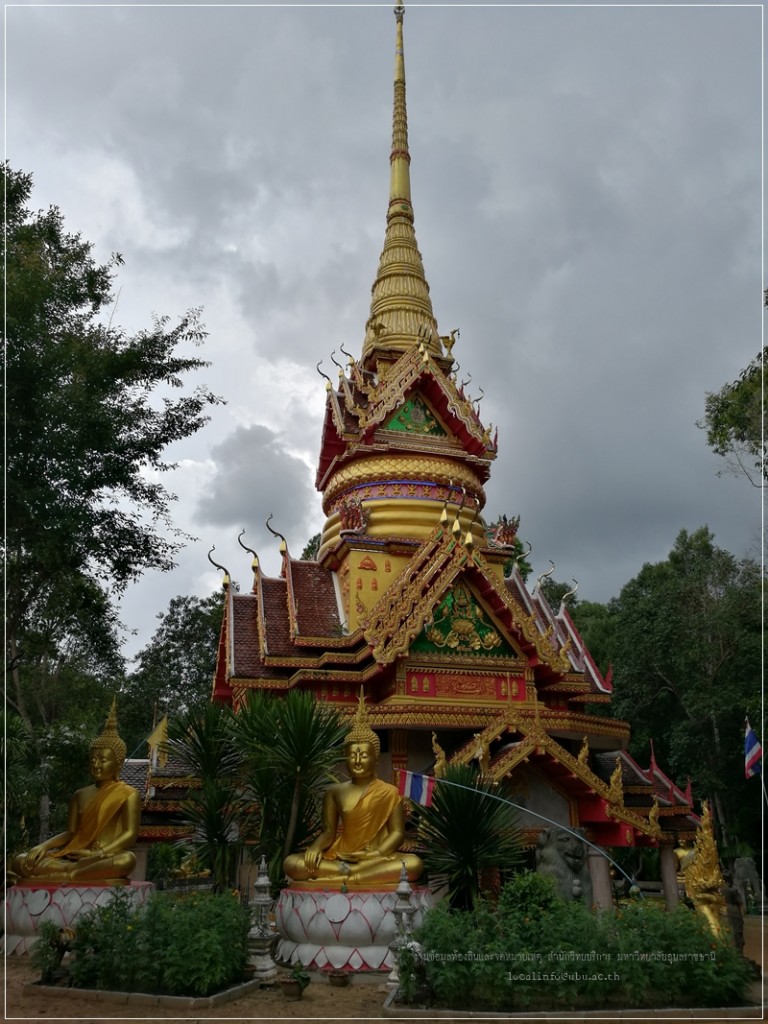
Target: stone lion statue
562, 855
746, 878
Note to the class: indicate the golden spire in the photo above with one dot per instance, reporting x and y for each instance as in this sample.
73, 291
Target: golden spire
401, 310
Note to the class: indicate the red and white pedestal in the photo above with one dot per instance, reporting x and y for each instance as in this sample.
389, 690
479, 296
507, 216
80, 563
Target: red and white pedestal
27, 906
347, 931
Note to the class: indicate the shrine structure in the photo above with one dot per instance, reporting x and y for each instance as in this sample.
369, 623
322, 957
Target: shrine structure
409, 597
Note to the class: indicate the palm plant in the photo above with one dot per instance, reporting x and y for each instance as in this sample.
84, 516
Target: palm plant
465, 833
204, 743
291, 745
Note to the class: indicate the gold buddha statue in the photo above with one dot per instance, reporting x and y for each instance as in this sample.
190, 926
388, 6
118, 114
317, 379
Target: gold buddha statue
102, 824
366, 853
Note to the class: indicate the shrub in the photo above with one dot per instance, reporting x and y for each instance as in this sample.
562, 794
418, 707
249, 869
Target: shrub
190, 945
534, 951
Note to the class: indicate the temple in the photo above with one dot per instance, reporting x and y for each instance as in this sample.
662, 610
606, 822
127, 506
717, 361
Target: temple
414, 597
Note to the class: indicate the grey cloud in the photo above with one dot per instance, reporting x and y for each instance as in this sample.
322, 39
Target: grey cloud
255, 476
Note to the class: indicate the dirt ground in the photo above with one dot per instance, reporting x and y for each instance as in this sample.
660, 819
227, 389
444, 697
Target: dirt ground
361, 1000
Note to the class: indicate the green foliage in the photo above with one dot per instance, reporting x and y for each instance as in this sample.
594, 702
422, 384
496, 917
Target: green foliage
466, 833
175, 670
193, 945
555, 592
493, 958
218, 810
90, 413
300, 974
311, 548
733, 420
687, 648
48, 952
596, 625
162, 860
261, 774
291, 745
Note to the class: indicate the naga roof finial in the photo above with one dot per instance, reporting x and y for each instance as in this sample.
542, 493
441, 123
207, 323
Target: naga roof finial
275, 533
226, 578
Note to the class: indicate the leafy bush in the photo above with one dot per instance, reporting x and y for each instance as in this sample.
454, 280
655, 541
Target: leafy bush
533, 951
48, 952
192, 945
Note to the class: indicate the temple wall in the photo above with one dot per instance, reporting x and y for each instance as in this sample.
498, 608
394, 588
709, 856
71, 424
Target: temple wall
531, 790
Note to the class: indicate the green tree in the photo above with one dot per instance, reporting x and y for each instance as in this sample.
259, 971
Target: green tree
596, 624
733, 420
62, 690
174, 672
687, 669
90, 413
555, 592
291, 745
311, 548
465, 833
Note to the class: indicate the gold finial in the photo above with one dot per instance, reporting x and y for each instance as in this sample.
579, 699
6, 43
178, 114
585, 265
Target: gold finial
584, 752
361, 731
400, 304
109, 737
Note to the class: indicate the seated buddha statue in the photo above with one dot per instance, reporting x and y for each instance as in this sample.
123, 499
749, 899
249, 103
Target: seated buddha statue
102, 825
370, 811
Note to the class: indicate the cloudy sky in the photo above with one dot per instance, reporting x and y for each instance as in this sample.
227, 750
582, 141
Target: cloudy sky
586, 183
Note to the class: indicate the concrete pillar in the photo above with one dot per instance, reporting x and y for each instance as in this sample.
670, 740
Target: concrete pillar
602, 887
668, 866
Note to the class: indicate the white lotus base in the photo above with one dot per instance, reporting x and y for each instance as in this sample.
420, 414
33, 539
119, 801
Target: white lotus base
348, 931
27, 906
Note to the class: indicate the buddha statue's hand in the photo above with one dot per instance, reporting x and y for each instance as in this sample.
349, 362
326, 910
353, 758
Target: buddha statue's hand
34, 856
312, 858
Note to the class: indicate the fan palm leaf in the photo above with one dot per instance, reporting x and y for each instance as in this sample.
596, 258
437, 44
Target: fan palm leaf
466, 832
291, 745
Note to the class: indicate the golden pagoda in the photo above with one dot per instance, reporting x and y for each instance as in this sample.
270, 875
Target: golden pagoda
408, 596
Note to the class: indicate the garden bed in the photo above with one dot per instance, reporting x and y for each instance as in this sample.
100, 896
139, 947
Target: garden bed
399, 1011
144, 999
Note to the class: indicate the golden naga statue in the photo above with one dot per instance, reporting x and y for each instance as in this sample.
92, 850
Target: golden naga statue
373, 825
102, 825
441, 762
702, 876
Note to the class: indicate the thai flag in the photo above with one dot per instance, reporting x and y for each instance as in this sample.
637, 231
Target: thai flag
418, 788
753, 752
